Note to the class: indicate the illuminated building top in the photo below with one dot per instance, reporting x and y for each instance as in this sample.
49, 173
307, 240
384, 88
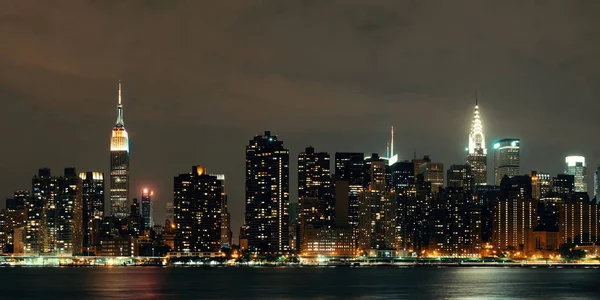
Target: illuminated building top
476, 136
119, 140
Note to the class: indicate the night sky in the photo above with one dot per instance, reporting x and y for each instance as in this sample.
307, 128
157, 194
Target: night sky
201, 78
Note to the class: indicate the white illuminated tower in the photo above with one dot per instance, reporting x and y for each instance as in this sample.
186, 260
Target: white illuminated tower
476, 152
575, 165
119, 166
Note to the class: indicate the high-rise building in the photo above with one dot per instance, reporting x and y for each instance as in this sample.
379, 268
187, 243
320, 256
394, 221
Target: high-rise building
314, 181
226, 234
267, 195
578, 220
540, 184
575, 165
54, 223
432, 172
514, 214
563, 185
15, 219
198, 203
477, 153
377, 207
403, 176
147, 208
350, 167
461, 176
119, 166
597, 183
92, 193
506, 159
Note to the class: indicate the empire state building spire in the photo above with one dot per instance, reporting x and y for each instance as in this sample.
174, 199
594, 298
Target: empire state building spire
120, 120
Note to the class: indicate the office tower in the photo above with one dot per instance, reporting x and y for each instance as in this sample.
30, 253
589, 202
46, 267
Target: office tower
119, 166
578, 220
135, 221
434, 173
15, 220
350, 167
226, 234
597, 182
477, 153
540, 185
461, 176
54, 223
403, 176
147, 209
267, 194
198, 203
170, 211
377, 208
563, 185
506, 159
575, 165
514, 214
457, 223
70, 214
314, 181
92, 193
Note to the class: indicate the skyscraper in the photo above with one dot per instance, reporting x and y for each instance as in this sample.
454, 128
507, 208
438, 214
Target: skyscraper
514, 213
92, 191
461, 176
350, 167
267, 195
314, 180
575, 165
54, 215
477, 153
377, 208
597, 182
198, 202
506, 159
147, 208
315, 201
119, 166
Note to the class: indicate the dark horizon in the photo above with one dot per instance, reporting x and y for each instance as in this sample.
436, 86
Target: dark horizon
201, 79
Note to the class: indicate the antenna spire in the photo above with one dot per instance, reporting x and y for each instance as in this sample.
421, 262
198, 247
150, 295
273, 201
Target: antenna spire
392, 143
120, 120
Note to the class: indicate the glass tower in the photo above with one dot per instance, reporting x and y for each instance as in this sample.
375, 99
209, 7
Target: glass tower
575, 165
507, 153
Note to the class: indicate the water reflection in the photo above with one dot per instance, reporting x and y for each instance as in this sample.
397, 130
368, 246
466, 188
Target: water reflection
297, 283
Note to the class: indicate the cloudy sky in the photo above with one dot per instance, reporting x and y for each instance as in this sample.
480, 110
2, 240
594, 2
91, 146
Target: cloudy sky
201, 78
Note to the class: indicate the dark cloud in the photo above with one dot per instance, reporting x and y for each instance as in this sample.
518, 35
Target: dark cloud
201, 78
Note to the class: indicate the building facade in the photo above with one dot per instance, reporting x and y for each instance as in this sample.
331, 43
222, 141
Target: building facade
198, 202
119, 166
507, 159
477, 152
267, 195
92, 192
147, 208
575, 165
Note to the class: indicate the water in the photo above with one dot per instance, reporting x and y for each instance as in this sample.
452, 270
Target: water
298, 283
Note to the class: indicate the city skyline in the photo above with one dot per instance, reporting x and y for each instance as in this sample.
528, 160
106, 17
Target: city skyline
199, 110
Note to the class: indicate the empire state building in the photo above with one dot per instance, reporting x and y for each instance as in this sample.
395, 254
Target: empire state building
119, 166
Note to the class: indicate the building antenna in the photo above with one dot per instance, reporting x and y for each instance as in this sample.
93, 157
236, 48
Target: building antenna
119, 91
392, 143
